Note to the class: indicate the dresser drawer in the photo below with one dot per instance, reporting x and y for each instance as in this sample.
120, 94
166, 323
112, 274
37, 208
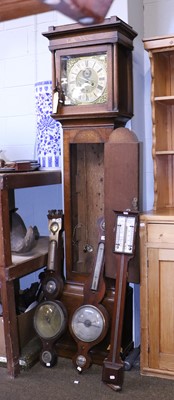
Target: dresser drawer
160, 233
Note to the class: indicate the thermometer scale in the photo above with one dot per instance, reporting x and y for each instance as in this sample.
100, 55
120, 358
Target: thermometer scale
124, 234
98, 266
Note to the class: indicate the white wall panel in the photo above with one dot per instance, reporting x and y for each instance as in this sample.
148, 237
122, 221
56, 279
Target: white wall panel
22, 126
19, 152
13, 43
120, 9
19, 100
18, 23
2, 71
15, 71
43, 72
158, 17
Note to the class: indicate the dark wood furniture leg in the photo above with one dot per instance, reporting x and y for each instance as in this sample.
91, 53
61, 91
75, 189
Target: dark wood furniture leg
7, 289
10, 327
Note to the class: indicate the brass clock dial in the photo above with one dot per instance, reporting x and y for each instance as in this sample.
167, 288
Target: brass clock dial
84, 79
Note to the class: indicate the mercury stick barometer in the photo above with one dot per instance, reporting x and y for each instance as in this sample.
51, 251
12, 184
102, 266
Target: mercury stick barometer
124, 248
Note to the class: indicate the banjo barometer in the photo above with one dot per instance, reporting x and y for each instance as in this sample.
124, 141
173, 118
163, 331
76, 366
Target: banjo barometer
50, 318
89, 323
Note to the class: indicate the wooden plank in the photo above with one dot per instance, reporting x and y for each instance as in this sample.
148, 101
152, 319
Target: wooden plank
25, 264
163, 233
143, 297
5, 253
12, 9
10, 326
155, 43
153, 310
76, 9
166, 362
20, 180
166, 302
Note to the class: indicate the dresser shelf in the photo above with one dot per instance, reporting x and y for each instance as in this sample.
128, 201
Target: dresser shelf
157, 226
14, 266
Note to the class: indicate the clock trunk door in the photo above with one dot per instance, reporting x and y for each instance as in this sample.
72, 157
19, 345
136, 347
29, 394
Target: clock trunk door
121, 187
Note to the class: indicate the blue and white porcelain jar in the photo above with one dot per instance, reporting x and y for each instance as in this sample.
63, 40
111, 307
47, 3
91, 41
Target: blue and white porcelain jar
49, 132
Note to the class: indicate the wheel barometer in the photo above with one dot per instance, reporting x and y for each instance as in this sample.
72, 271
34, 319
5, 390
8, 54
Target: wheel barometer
50, 319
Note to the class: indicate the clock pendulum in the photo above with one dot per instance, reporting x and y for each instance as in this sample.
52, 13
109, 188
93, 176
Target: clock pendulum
124, 247
89, 323
50, 318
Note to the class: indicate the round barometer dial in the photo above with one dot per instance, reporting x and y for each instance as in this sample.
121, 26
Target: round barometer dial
87, 323
50, 319
52, 285
54, 227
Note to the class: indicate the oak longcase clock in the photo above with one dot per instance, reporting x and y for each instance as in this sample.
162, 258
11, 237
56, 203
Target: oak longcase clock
92, 96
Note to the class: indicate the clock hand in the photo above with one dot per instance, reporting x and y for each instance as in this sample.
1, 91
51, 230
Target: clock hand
84, 79
87, 81
48, 319
94, 323
85, 322
88, 323
80, 321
